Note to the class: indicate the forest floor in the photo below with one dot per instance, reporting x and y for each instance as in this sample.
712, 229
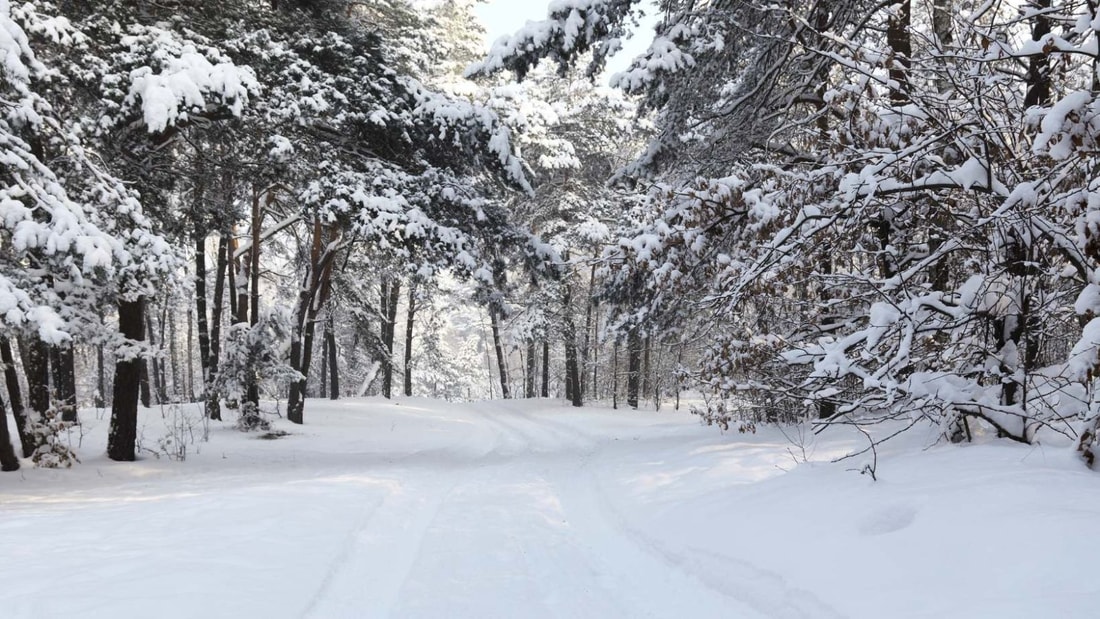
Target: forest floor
417, 508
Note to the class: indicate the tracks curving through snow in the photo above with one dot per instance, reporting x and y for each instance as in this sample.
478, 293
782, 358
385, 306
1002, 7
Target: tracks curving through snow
525, 529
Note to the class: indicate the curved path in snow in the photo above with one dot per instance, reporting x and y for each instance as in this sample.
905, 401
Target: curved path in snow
525, 529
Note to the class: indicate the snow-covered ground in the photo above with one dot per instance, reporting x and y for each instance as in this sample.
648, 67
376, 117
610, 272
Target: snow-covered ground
417, 508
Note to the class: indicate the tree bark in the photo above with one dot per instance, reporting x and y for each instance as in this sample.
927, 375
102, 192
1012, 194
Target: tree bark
634, 367
333, 369
545, 391
122, 439
64, 374
898, 38
190, 359
410, 316
1038, 66
572, 362
253, 386
311, 299
498, 346
391, 294
15, 395
36, 367
200, 317
8, 460
173, 352
532, 368
213, 399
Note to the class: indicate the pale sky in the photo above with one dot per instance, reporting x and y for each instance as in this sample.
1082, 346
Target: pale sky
503, 17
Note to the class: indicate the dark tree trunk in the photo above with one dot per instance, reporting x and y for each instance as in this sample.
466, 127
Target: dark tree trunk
100, 378
634, 368
572, 362
122, 440
200, 316
314, 293
154, 367
615, 375
15, 395
646, 347
410, 317
324, 362
36, 366
173, 352
8, 460
213, 399
589, 311
898, 38
143, 383
253, 387
64, 372
498, 346
1038, 67
333, 369
545, 391
391, 294
190, 360
532, 369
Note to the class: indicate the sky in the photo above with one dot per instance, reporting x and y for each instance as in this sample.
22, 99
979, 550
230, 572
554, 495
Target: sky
503, 17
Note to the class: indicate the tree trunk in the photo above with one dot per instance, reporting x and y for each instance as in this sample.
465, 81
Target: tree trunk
898, 38
36, 367
190, 359
173, 352
615, 375
545, 391
1038, 67
498, 346
122, 440
63, 363
409, 318
253, 386
324, 361
213, 399
333, 369
589, 311
15, 395
572, 362
390, 295
634, 367
8, 460
143, 383
200, 319
100, 378
532, 368
312, 296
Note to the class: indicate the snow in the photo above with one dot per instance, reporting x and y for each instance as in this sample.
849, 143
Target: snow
417, 508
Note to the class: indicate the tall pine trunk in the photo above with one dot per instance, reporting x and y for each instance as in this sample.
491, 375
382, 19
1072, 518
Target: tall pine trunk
532, 368
122, 439
572, 363
63, 364
253, 387
545, 391
312, 296
410, 317
498, 346
36, 367
333, 369
15, 395
8, 460
213, 398
634, 367
391, 294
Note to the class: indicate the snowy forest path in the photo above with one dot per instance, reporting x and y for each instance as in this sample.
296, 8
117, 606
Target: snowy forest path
519, 527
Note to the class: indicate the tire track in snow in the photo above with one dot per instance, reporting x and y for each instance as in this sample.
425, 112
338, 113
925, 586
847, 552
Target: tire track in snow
357, 583
765, 591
